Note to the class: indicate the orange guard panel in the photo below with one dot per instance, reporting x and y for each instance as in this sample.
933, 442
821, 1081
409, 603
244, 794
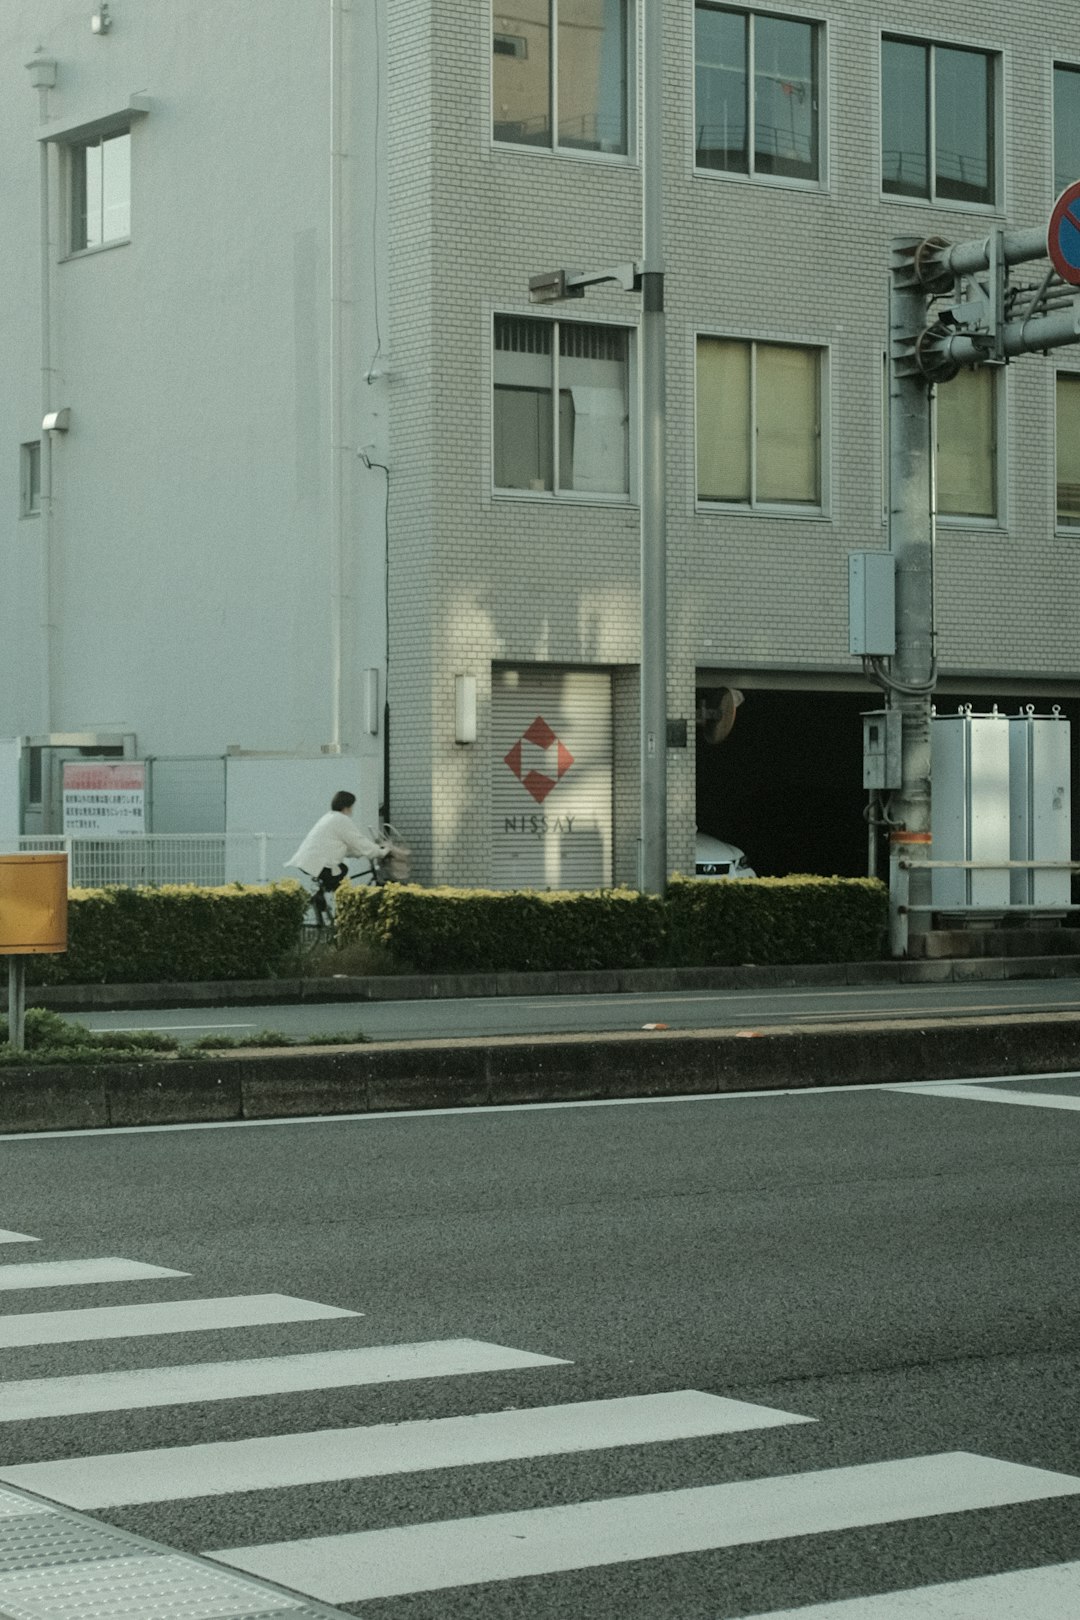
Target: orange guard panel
33, 904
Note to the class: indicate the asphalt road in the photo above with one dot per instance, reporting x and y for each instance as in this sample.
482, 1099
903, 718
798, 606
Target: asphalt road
890, 1273
595, 1014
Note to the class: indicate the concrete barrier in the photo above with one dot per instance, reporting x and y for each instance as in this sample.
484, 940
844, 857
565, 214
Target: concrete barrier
472, 1073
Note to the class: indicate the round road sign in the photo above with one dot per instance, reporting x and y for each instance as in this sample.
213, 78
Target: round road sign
1063, 237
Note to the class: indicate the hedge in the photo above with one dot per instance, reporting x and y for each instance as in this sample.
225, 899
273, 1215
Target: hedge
514, 931
700, 924
177, 933
776, 920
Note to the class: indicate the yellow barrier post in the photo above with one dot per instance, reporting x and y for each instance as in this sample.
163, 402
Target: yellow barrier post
33, 922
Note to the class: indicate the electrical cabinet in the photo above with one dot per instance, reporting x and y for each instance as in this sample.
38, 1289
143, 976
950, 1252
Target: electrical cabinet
1040, 806
882, 758
971, 809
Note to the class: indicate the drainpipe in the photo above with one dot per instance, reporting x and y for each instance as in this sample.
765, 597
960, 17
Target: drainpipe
42, 71
338, 11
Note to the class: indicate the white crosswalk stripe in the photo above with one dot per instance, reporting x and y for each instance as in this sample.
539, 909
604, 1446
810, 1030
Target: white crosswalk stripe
17, 1237
79, 1273
368, 1564
966, 1093
270, 1375
1024, 1594
166, 1316
172, 1473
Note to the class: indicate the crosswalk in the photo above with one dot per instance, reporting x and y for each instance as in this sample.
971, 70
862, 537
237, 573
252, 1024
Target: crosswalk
111, 1574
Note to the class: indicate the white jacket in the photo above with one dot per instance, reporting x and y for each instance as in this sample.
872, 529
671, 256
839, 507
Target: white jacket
333, 839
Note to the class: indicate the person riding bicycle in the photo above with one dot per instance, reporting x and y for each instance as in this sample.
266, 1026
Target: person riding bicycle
334, 836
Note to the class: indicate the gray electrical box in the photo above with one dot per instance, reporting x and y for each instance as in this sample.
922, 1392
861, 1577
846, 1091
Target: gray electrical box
882, 764
970, 773
871, 604
1040, 806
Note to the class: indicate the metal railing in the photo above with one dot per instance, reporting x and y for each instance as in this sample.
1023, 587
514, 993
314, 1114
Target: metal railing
152, 859
900, 908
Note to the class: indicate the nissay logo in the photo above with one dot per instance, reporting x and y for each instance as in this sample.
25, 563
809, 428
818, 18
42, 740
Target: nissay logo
536, 747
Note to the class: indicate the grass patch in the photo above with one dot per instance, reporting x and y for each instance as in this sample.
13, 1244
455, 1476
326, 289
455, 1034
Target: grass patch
51, 1039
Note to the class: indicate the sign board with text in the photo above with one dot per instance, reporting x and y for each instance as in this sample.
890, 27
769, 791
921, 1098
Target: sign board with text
105, 798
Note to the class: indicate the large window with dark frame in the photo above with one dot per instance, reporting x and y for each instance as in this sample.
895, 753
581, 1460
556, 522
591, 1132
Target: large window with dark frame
561, 407
756, 107
560, 71
759, 423
938, 116
1066, 126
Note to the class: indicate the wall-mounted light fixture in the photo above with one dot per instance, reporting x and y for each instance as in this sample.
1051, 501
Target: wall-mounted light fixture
465, 708
42, 70
57, 421
101, 22
371, 702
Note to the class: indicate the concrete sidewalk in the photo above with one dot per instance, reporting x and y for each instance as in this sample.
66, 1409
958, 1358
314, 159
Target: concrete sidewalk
299, 1082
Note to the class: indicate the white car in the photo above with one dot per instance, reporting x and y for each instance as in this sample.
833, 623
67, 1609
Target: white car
715, 858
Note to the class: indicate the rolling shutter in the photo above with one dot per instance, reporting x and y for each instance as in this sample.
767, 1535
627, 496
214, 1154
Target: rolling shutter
551, 778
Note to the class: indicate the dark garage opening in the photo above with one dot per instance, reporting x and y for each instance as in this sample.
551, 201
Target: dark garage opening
785, 785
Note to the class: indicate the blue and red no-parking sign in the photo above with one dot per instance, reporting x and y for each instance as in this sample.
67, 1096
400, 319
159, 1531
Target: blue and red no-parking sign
1063, 236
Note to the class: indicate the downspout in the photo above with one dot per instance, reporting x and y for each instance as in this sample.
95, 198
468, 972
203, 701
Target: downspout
48, 631
338, 9
42, 71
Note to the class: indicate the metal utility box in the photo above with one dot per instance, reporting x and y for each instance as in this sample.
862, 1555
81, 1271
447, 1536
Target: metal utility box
1040, 807
871, 603
971, 822
881, 752
33, 904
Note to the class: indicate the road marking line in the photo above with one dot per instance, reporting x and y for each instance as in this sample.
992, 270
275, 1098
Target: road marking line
166, 1029
271, 1375
1052, 1593
72, 1273
505, 1546
170, 1474
17, 1237
171, 1316
1024, 1099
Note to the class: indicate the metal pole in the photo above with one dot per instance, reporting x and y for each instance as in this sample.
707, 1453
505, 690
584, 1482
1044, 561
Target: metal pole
16, 1001
911, 540
653, 491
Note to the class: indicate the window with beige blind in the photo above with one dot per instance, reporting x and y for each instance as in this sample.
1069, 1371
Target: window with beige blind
967, 445
1068, 450
759, 423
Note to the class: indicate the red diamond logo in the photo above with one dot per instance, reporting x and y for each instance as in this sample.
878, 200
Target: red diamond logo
540, 739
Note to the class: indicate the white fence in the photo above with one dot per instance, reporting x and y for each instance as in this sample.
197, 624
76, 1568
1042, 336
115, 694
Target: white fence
152, 859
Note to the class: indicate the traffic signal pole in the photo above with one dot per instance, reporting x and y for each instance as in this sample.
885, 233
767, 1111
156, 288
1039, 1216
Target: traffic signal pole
989, 323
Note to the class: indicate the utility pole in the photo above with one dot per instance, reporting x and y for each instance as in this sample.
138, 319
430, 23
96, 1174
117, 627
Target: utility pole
989, 323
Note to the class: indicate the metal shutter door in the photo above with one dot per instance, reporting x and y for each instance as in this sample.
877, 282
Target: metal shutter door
551, 778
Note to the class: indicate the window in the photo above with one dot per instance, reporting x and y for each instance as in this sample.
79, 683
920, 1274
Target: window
30, 479
100, 190
1066, 127
559, 74
967, 445
937, 122
758, 423
563, 372
1068, 450
756, 90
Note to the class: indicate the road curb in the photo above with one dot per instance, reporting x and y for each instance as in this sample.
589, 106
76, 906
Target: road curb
76, 998
406, 1076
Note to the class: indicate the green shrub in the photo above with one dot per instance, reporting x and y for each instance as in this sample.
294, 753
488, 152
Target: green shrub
51, 1039
175, 934
776, 920
487, 931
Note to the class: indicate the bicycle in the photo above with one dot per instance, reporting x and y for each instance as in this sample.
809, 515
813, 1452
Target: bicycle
319, 922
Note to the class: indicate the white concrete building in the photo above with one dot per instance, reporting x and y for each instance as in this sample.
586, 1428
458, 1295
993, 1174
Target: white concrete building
321, 486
